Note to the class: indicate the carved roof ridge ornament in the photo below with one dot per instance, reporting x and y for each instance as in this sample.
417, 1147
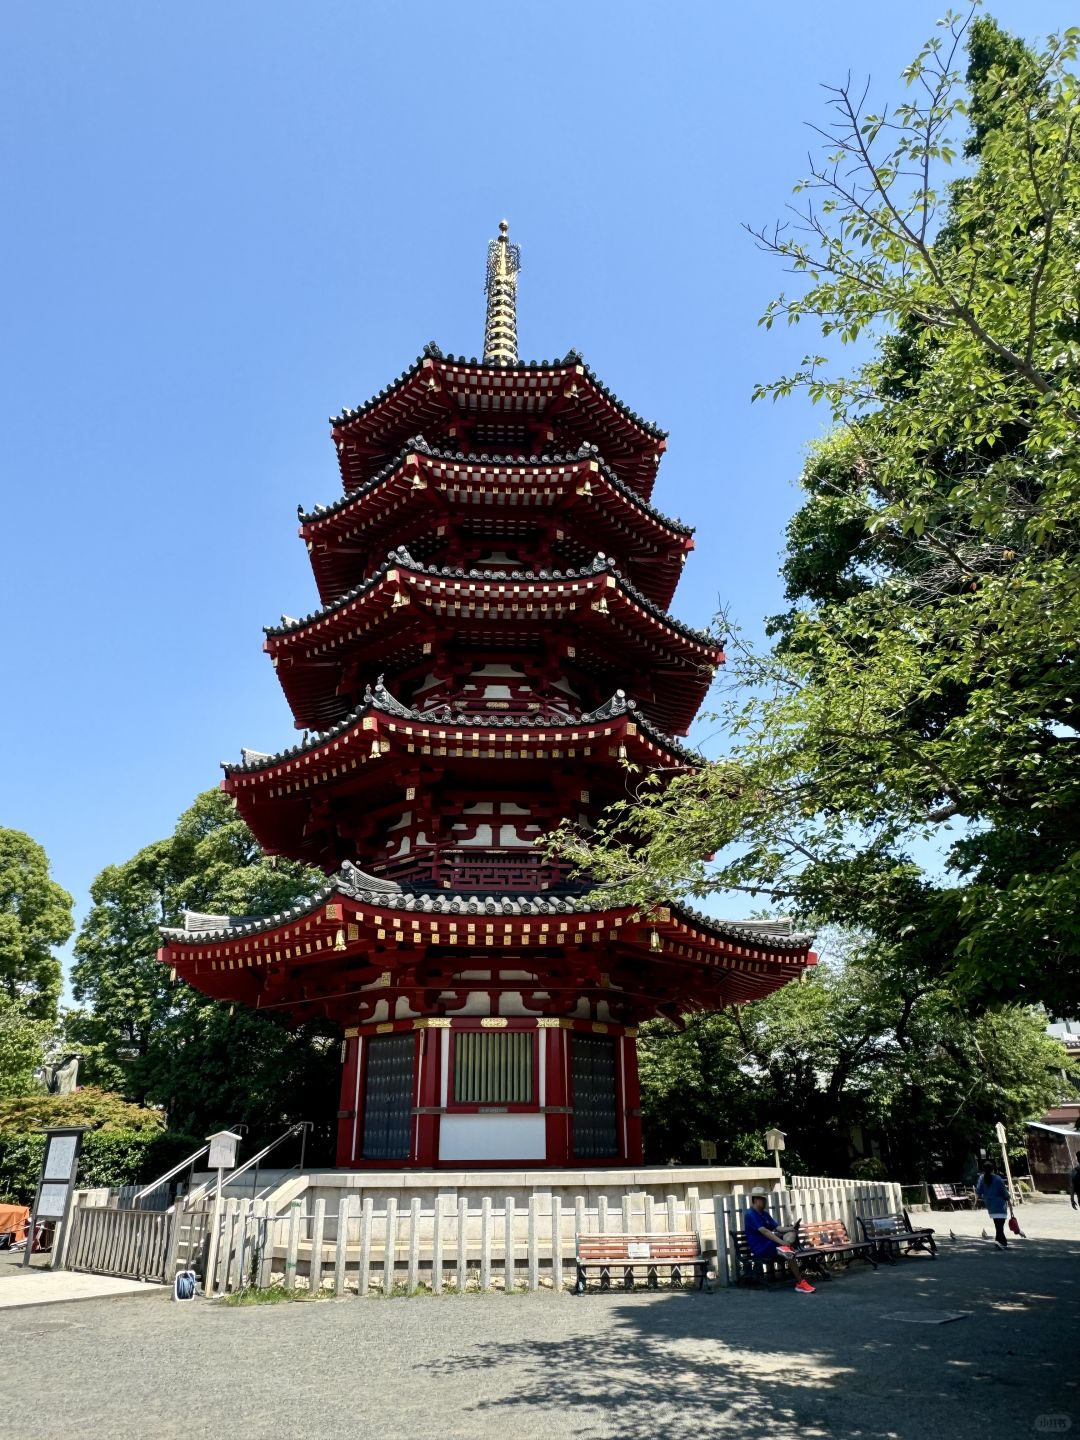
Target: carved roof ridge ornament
500, 286
352, 880
617, 705
387, 703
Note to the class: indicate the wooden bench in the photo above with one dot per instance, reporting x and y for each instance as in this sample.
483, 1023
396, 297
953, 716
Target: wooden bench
954, 1196
823, 1243
892, 1235
626, 1254
819, 1246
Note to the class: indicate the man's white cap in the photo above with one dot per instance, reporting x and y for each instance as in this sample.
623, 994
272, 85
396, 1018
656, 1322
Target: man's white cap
758, 1190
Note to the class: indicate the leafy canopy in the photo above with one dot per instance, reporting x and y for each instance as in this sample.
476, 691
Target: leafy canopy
921, 691
163, 1043
35, 918
860, 1064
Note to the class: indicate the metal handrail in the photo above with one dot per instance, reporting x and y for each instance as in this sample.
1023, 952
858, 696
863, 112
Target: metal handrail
301, 1125
184, 1164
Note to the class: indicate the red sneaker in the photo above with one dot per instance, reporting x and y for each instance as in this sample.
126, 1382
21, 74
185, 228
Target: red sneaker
785, 1250
804, 1288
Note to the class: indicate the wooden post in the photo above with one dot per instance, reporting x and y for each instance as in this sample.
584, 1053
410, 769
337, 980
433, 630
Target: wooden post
723, 1272
436, 1249
414, 1243
172, 1252
579, 1215
650, 1215
364, 1280
462, 1242
672, 1223
534, 1245
293, 1244
228, 1241
556, 1243
341, 1254
315, 1266
390, 1250
601, 1215
625, 1208
264, 1233
241, 1244
508, 1246
485, 1243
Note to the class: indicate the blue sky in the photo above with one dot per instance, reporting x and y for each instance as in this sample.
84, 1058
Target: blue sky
227, 221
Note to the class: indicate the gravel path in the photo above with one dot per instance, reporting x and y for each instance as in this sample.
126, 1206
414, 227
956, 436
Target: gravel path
734, 1364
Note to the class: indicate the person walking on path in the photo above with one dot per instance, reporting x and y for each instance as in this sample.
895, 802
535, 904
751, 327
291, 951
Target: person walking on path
766, 1241
1074, 1185
994, 1194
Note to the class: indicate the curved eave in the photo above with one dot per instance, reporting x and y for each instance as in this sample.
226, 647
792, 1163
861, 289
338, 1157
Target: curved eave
277, 795
346, 941
406, 605
475, 587
337, 902
528, 391
362, 736
396, 506
524, 466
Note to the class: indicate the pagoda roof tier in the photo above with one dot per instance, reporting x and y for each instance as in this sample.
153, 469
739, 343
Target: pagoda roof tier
442, 394
501, 496
289, 799
404, 600
358, 942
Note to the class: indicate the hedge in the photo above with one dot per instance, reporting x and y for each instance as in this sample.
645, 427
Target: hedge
109, 1157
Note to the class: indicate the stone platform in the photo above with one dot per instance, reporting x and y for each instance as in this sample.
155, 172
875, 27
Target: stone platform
684, 1182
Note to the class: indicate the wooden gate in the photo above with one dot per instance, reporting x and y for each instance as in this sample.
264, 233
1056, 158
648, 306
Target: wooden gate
131, 1243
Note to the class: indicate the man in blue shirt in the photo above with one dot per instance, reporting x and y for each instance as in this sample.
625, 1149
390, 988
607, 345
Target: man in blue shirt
765, 1240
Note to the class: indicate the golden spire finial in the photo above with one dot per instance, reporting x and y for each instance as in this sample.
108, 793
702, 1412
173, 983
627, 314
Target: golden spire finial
500, 330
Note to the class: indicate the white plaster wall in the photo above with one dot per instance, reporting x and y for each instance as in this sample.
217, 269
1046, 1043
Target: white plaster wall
492, 1137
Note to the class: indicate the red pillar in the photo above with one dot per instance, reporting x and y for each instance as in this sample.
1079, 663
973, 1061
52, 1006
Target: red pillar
426, 1129
631, 1101
347, 1112
557, 1133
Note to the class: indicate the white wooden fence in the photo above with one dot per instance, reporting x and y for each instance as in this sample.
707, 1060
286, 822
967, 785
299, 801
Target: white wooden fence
822, 1182
454, 1245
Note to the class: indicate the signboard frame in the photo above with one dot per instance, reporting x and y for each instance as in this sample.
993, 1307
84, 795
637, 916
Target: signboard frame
56, 1185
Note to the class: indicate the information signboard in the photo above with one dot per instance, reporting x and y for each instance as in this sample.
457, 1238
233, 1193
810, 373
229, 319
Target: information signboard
56, 1185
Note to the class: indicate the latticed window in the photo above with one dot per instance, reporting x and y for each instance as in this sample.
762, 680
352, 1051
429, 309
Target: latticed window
493, 1067
388, 1096
592, 1078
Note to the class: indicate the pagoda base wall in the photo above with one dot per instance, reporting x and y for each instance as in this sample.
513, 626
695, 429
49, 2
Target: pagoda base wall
489, 1092
687, 1187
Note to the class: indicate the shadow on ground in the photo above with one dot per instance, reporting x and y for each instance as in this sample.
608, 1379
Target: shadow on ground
834, 1364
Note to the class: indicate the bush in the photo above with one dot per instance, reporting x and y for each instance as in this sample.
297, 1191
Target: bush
100, 1109
127, 1145
20, 1166
869, 1168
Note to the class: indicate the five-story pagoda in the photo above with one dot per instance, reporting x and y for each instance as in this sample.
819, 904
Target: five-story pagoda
492, 647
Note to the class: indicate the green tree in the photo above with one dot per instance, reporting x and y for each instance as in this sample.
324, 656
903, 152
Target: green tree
35, 917
859, 1062
922, 688
163, 1043
22, 1042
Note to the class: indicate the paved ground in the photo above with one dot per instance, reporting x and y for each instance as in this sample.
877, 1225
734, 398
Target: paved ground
38, 1285
831, 1366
